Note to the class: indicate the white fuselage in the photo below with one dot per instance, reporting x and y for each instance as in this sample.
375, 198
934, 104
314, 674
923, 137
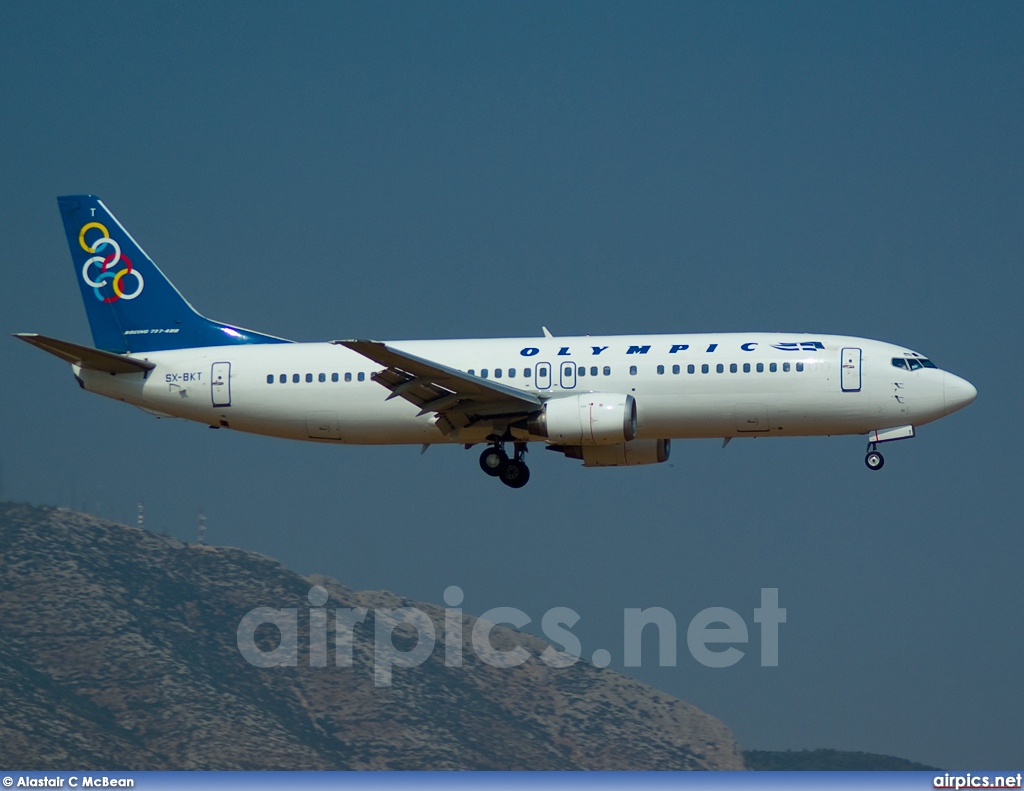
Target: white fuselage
753, 385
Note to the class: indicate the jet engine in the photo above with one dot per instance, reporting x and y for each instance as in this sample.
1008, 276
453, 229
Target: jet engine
588, 419
623, 454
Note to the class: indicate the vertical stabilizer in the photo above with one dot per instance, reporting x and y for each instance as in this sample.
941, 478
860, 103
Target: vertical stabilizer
131, 305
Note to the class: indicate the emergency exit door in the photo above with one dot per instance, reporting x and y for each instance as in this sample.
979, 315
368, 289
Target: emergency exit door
543, 376
850, 377
567, 376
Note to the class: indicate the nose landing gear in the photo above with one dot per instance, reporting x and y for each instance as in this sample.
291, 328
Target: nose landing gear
513, 472
874, 459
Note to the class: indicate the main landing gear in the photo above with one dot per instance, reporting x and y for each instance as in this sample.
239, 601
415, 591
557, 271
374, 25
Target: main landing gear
496, 463
874, 459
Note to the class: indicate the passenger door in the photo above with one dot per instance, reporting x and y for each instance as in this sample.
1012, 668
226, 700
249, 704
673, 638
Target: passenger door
220, 384
850, 377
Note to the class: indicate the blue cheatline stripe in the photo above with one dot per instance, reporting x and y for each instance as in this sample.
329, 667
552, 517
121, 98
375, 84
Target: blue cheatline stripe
536, 781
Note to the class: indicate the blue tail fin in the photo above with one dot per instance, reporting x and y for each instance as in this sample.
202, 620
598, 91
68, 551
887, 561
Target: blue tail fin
131, 306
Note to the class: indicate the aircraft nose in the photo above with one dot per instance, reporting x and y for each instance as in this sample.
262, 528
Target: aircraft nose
957, 392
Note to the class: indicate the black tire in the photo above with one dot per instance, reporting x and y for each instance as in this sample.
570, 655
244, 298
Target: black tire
515, 475
874, 460
493, 461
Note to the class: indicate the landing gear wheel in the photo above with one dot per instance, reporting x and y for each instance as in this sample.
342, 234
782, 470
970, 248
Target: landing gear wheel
493, 461
516, 474
874, 460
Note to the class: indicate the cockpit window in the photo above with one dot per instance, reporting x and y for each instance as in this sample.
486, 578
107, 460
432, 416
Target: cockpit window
912, 363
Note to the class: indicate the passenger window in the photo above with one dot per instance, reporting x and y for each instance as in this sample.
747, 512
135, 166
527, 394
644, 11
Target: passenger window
785, 368
732, 368
282, 378
690, 369
348, 377
322, 377
483, 373
799, 367
295, 378
773, 367
497, 373
760, 368
361, 376
704, 368
309, 377
593, 370
607, 370
511, 373
270, 379
914, 364
334, 377
720, 368
471, 372
746, 368
632, 370
675, 369
581, 371
661, 369
527, 373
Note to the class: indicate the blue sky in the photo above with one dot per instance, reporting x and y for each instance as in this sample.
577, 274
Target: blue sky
403, 170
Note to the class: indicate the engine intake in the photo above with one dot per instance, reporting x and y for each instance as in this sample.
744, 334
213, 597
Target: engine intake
588, 419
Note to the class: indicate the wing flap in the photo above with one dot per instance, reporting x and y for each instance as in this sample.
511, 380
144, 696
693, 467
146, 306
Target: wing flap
432, 387
85, 357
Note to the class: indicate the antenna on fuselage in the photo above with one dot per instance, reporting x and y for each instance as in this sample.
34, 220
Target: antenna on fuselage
547, 332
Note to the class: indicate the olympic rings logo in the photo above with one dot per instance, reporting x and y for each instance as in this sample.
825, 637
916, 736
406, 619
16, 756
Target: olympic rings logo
107, 264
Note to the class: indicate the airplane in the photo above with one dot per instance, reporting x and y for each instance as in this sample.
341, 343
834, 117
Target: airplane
609, 401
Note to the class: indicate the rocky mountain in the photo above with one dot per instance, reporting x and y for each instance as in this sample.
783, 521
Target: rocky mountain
120, 650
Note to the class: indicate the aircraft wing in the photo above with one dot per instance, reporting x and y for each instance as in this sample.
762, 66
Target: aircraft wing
457, 397
96, 359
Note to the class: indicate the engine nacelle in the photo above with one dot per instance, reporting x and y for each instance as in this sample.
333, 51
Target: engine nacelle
588, 419
624, 454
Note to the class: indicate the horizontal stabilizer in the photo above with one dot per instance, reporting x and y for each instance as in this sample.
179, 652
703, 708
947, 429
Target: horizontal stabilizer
85, 357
